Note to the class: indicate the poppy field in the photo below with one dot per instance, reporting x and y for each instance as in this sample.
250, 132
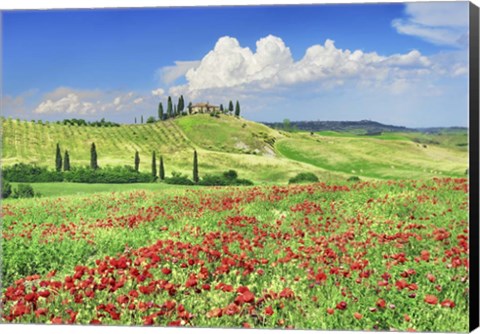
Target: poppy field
379, 255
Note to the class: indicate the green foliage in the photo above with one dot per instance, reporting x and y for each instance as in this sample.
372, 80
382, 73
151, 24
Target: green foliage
58, 159
150, 120
160, 111
353, 179
6, 189
303, 178
117, 174
230, 106
23, 191
93, 157
228, 178
179, 179
137, 161
66, 161
154, 165
237, 109
230, 175
161, 169
29, 173
195, 167
82, 122
169, 107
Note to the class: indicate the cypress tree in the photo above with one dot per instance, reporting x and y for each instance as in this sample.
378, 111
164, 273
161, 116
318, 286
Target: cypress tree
137, 161
93, 157
169, 107
175, 111
230, 107
141, 119
160, 111
58, 159
237, 109
162, 169
190, 107
154, 165
195, 167
135, 120
66, 162
221, 108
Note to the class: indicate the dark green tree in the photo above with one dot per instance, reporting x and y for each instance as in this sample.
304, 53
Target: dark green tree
190, 105
237, 109
160, 111
141, 119
135, 120
221, 108
58, 159
66, 162
175, 110
154, 165
162, 169
93, 157
180, 105
230, 107
195, 167
150, 120
137, 161
169, 107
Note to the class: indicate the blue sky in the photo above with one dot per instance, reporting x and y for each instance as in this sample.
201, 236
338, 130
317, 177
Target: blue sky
394, 63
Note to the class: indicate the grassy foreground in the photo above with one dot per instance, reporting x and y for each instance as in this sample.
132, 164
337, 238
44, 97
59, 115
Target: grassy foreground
371, 255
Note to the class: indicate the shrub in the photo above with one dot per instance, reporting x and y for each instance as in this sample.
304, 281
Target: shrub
6, 189
229, 178
303, 178
23, 191
118, 174
213, 180
353, 179
230, 175
22, 172
178, 178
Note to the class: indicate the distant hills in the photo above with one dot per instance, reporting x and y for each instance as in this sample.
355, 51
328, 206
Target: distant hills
365, 126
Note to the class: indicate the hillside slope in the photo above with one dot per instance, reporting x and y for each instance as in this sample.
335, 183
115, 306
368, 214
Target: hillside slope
256, 151
30, 142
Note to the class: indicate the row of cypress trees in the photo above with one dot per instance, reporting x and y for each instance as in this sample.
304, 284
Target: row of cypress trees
58, 160
66, 159
94, 162
161, 173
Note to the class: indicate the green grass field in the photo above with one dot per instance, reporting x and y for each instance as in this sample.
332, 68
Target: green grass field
257, 152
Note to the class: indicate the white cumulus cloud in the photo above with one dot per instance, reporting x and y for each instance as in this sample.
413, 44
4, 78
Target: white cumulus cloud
229, 66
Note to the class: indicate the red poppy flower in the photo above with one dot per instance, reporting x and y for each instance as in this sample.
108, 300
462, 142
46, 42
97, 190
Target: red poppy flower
342, 306
330, 310
381, 303
430, 299
448, 303
40, 311
269, 310
357, 316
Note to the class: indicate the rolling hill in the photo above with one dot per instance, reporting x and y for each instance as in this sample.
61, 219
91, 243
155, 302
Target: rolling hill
256, 151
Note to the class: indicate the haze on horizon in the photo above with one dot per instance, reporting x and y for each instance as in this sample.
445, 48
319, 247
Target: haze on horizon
398, 64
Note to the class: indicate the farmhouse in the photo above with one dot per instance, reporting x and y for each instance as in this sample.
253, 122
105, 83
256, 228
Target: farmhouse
203, 108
